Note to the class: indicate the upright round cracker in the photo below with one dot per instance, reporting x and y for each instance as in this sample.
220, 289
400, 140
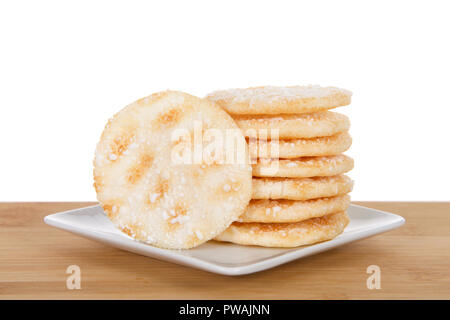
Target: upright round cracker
282, 211
278, 100
301, 188
294, 148
303, 167
154, 199
294, 126
286, 235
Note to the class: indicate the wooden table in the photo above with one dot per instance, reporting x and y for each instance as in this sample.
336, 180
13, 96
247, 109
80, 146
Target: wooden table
414, 262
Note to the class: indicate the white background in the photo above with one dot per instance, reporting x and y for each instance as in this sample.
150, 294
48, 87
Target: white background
67, 66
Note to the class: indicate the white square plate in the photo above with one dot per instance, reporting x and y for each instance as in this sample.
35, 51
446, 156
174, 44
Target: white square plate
218, 257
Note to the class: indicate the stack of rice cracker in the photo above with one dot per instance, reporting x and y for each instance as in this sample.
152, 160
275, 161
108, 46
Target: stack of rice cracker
300, 193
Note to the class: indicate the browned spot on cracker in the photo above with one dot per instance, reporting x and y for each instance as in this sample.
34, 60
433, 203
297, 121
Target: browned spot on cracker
163, 186
127, 231
112, 207
158, 193
98, 184
169, 118
264, 227
136, 172
120, 143
180, 209
107, 208
261, 227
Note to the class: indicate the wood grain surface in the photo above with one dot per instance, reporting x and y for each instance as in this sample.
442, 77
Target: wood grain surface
414, 262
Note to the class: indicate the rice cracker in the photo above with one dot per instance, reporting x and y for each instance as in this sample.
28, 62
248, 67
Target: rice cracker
294, 126
301, 188
280, 100
303, 167
294, 148
272, 211
286, 235
158, 201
